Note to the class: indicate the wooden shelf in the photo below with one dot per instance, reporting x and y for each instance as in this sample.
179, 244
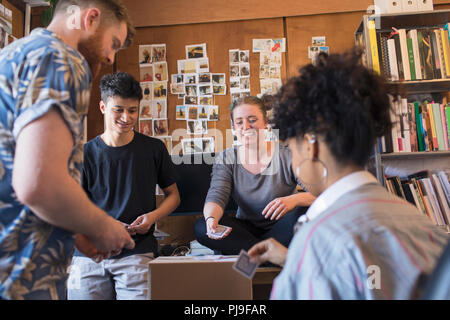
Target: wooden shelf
420, 86
409, 20
414, 155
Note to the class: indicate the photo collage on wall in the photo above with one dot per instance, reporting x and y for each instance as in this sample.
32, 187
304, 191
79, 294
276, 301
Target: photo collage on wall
196, 86
239, 73
270, 63
6, 36
153, 73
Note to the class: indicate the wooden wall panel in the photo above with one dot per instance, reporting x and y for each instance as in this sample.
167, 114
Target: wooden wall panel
338, 28
158, 13
18, 19
219, 38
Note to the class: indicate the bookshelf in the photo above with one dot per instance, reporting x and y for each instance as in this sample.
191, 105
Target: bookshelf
408, 21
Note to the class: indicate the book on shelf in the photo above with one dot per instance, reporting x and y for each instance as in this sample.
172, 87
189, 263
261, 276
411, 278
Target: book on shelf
417, 126
414, 54
428, 190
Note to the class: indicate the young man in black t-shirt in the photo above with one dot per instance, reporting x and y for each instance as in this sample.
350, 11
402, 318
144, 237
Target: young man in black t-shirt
121, 170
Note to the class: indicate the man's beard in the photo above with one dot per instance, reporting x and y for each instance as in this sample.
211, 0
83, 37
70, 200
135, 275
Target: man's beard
90, 48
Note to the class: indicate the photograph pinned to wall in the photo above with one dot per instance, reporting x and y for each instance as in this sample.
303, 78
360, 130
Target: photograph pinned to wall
160, 71
191, 146
244, 56
195, 51
145, 109
167, 142
201, 127
244, 84
190, 78
160, 127
235, 84
202, 112
177, 78
220, 90
205, 90
191, 89
207, 145
278, 45
192, 113
218, 78
147, 90
203, 65
145, 52
313, 52
260, 45
234, 71
158, 52
244, 69
180, 112
318, 41
205, 100
264, 71
270, 86
234, 96
244, 94
190, 100
146, 127
159, 109
146, 73
191, 66
204, 78
233, 56
190, 126
275, 72
213, 113
159, 90
177, 88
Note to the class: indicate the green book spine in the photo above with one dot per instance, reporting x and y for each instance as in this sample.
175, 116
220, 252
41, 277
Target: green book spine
447, 115
438, 125
411, 58
419, 127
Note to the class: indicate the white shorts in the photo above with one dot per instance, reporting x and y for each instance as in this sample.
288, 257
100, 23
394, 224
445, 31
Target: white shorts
122, 279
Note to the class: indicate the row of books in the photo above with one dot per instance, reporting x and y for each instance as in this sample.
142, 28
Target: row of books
415, 54
417, 126
429, 191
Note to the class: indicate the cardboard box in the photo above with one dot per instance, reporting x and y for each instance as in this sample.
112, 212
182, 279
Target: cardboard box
191, 278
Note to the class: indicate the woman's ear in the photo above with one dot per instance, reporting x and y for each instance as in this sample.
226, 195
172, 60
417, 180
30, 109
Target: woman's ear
311, 146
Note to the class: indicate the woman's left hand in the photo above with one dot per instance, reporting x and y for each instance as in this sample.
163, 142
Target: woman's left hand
278, 207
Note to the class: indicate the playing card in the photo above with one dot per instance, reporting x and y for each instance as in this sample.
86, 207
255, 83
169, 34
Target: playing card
244, 266
220, 231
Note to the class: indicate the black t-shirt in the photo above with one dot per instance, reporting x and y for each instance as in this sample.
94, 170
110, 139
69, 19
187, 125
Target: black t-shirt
122, 181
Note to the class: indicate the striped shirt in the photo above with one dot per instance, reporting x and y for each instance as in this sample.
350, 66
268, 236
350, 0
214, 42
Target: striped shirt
362, 243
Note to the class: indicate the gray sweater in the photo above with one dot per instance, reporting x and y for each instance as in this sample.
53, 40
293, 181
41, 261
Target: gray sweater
251, 192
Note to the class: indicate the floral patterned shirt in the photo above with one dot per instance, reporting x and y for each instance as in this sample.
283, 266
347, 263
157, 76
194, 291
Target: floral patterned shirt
37, 73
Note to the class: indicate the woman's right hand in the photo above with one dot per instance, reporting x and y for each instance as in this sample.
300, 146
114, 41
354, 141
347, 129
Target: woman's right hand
211, 226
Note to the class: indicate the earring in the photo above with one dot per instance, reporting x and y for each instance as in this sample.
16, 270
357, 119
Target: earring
306, 184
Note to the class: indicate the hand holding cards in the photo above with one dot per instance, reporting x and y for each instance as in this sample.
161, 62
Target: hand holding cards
244, 266
221, 232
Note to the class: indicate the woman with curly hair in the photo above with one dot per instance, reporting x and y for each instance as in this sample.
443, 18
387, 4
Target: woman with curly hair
357, 240
259, 177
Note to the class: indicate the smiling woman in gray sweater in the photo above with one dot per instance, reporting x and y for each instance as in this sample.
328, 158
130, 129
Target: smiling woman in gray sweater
259, 177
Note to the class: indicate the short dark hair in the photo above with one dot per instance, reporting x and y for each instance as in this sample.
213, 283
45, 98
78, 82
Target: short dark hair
339, 99
112, 8
120, 84
263, 103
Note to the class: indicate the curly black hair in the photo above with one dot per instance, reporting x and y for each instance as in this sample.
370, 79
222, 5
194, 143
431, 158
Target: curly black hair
339, 99
120, 84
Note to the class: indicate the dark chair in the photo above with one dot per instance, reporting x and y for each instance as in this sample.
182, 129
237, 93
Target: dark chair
438, 284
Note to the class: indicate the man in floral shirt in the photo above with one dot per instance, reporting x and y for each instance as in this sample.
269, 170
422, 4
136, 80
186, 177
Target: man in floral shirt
45, 81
